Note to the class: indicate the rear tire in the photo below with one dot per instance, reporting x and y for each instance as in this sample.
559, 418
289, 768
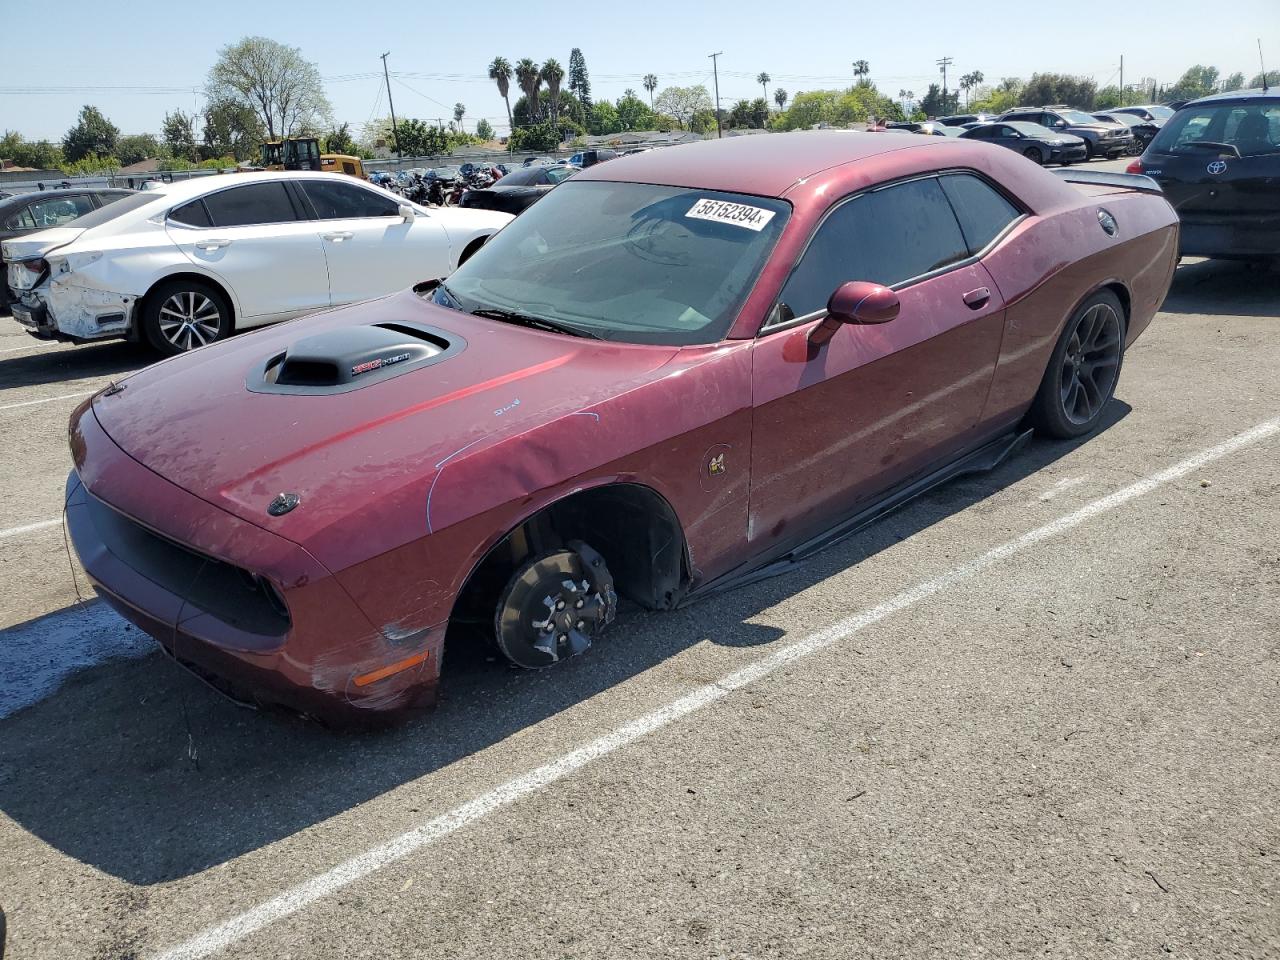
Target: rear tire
1088, 150
180, 315
1034, 155
1083, 370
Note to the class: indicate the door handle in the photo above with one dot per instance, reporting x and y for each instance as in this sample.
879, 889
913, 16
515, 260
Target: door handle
338, 236
977, 299
212, 244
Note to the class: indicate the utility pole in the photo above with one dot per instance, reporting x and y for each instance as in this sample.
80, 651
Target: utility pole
1122, 80
715, 70
942, 65
395, 133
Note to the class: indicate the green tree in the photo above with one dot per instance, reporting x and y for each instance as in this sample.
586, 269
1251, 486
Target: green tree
137, 147
684, 103
634, 114
272, 79
1272, 79
179, 135
579, 83
860, 70
40, 154
1004, 96
764, 80
1233, 82
935, 104
529, 79
969, 82
459, 111
484, 130
1197, 81
651, 84
603, 119
339, 140
536, 137
553, 75
500, 72
92, 136
780, 98
232, 128
1048, 88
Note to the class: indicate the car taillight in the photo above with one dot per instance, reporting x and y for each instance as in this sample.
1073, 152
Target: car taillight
1135, 166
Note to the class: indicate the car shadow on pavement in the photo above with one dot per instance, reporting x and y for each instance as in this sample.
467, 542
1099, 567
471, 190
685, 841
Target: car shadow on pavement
56, 366
1224, 287
136, 769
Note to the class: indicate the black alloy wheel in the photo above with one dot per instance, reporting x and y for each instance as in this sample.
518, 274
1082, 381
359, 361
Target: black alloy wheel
1083, 370
555, 606
1034, 155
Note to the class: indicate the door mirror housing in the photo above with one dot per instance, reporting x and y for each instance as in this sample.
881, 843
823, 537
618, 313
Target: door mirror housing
407, 213
1059, 124
859, 302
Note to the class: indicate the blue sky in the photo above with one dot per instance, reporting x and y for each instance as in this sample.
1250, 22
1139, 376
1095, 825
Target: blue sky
163, 51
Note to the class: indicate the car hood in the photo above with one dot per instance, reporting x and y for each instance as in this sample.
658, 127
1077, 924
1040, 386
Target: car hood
40, 243
194, 421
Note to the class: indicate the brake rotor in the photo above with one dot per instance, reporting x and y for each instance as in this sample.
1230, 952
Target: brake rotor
555, 607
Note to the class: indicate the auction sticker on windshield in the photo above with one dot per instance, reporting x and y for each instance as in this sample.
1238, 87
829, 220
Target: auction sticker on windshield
738, 214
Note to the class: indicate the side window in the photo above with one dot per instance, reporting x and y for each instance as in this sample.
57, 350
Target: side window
1008, 132
887, 236
192, 214
982, 211
341, 201
59, 210
251, 204
22, 220
106, 198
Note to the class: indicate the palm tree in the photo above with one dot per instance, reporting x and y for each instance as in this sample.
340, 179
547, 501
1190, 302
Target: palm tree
529, 77
860, 70
780, 98
459, 111
650, 84
553, 73
969, 82
904, 96
763, 79
500, 72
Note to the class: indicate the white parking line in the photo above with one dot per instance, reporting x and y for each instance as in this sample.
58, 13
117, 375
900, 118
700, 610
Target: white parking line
32, 403
29, 528
29, 346
218, 937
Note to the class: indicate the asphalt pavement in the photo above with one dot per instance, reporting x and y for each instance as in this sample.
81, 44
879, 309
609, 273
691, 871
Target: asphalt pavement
1034, 713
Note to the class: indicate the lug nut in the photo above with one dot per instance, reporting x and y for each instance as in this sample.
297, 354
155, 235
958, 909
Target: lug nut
559, 604
579, 624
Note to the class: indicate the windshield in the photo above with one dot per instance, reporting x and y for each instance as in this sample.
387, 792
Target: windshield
1076, 116
1032, 129
1160, 113
626, 261
1251, 128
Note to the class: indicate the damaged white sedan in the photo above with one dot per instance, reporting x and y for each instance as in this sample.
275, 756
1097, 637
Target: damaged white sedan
191, 262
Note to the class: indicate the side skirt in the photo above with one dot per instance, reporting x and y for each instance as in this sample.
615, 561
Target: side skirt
982, 460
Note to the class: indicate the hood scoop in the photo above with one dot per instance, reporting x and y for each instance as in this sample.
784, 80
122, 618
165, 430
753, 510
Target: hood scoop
348, 358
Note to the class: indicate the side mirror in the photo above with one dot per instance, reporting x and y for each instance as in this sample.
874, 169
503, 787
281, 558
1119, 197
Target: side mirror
1060, 124
406, 213
856, 301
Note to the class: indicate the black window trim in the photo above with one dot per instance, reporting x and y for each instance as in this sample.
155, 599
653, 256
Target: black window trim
313, 214
768, 328
300, 215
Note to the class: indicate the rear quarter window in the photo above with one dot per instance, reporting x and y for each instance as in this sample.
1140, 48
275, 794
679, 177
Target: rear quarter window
984, 213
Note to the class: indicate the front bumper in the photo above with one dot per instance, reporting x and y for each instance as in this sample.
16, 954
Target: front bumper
1071, 154
192, 577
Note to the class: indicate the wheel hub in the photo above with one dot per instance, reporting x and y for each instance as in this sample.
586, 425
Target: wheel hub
555, 607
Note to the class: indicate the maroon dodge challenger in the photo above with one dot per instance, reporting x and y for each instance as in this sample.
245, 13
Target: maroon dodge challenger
674, 373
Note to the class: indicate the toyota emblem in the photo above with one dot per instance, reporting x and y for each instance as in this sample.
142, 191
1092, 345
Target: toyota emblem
1217, 167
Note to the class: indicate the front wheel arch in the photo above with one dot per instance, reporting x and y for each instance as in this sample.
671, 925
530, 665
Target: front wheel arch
633, 527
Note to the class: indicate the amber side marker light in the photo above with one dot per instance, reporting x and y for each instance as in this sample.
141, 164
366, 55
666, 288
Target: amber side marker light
392, 668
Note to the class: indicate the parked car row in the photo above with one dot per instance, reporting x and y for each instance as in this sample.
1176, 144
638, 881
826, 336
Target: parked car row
188, 263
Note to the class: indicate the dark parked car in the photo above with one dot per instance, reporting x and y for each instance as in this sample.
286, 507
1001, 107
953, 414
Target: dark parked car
961, 119
518, 190
589, 158
28, 212
1101, 139
1152, 111
1218, 160
1033, 141
1143, 131
669, 376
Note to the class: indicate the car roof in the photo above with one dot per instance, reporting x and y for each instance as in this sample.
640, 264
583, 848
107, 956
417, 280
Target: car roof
764, 166
18, 199
181, 190
1241, 96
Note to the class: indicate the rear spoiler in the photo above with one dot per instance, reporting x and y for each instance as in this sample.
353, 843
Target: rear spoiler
1103, 178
